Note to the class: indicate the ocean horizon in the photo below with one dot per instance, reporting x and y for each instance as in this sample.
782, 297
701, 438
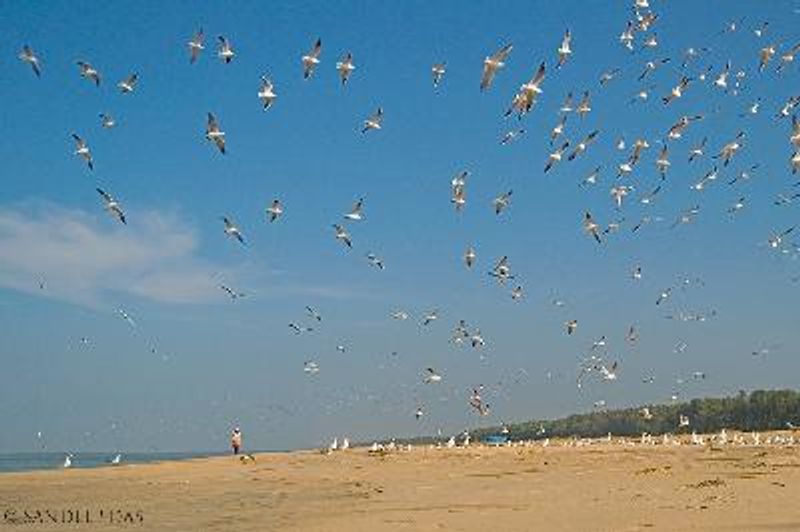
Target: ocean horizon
47, 460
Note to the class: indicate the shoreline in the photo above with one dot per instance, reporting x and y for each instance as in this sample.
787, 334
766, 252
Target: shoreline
566, 485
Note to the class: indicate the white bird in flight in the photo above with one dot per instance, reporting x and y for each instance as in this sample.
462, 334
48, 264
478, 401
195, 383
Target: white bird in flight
342, 235
311, 59
125, 316
196, 46
357, 212
233, 294
375, 261
82, 150
107, 121
214, 133
275, 210
225, 50
492, 64
373, 121
112, 205
128, 84
266, 92
565, 49
432, 376
430, 317
501, 202
470, 256
345, 67
591, 227
27, 55
89, 72
232, 230
438, 71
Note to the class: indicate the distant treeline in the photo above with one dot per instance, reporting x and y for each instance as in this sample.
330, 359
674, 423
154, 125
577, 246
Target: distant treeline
760, 410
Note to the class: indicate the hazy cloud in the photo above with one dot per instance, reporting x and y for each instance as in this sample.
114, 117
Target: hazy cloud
85, 259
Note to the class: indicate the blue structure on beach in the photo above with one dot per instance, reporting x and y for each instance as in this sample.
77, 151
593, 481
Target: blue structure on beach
496, 439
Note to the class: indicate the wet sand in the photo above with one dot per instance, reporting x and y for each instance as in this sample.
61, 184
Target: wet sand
597, 487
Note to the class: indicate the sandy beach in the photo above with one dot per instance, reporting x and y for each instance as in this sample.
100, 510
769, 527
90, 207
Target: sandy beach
597, 487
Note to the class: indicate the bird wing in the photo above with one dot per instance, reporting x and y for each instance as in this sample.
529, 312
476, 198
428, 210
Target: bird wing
105, 195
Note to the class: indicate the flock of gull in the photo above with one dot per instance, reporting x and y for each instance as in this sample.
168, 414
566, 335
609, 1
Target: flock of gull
693, 71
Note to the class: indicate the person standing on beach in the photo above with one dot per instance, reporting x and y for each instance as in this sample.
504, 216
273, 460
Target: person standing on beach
236, 440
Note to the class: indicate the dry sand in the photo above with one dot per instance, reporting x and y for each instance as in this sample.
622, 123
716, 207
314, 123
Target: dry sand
600, 487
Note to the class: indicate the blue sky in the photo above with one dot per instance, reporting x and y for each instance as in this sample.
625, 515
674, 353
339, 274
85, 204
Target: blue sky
219, 362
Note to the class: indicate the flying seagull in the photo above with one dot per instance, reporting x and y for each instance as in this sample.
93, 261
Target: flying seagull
555, 156
493, 63
502, 201
298, 329
107, 121
225, 50
571, 326
469, 257
565, 50
125, 316
27, 55
311, 59
82, 149
345, 67
275, 210
128, 84
437, 71
112, 205
89, 72
583, 145
196, 45
234, 295
266, 92
375, 261
528, 93
343, 235
430, 317
729, 150
313, 314
591, 227
357, 212
214, 134
432, 376
502, 270
373, 121
677, 91
232, 230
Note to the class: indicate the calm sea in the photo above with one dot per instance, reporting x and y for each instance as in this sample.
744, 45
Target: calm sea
50, 460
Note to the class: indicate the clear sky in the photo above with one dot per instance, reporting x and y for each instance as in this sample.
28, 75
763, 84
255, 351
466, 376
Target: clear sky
219, 362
